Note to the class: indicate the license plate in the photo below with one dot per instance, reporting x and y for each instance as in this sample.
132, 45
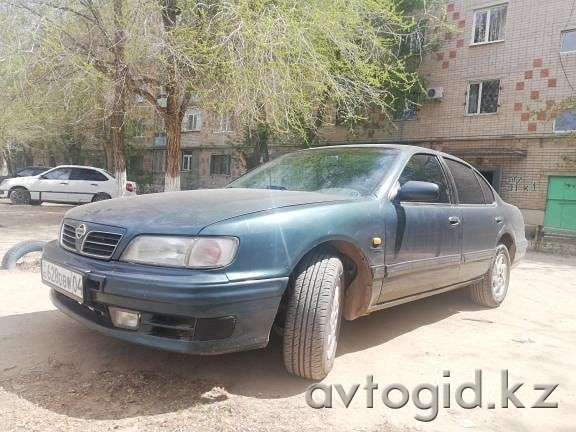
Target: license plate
68, 282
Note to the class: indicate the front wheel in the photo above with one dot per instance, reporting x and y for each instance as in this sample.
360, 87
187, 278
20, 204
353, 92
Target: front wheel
492, 289
313, 316
20, 196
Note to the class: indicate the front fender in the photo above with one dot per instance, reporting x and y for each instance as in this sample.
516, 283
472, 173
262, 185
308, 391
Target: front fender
272, 243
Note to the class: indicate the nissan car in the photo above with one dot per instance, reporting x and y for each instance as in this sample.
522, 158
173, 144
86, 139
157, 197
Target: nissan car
296, 245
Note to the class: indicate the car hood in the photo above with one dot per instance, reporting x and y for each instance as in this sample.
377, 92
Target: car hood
188, 212
20, 180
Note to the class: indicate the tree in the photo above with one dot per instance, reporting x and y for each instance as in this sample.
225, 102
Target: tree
278, 64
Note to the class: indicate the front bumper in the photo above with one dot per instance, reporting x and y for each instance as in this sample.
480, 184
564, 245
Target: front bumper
3, 194
181, 310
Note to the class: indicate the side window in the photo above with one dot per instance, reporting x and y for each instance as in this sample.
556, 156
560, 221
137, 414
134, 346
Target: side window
87, 174
426, 168
58, 174
488, 194
467, 185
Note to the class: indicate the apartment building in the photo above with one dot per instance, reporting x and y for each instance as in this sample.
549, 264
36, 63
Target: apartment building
498, 86
208, 149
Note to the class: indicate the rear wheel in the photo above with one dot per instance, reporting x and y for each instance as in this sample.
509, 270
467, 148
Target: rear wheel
20, 196
100, 196
313, 316
492, 289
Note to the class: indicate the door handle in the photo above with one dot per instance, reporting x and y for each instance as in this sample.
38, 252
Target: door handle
64, 183
454, 220
93, 184
499, 219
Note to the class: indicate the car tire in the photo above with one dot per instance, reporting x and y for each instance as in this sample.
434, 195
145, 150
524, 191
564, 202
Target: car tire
11, 257
20, 196
313, 316
492, 289
101, 196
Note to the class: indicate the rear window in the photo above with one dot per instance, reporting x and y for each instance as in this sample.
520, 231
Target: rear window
467, 184
486, 189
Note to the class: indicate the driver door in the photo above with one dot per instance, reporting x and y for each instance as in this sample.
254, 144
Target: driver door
54, 185
424, 248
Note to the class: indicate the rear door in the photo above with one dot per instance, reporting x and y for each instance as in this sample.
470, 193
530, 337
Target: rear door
481, 219
423, 252
53, 185
85, 183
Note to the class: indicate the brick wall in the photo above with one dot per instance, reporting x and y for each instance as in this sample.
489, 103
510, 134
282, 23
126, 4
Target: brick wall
534, 77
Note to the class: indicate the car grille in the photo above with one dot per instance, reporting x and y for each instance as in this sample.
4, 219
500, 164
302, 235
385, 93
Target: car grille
100, 244
95, 243
68, 238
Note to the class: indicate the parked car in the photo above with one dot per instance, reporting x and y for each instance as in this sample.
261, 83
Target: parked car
299, 244
25, 172
64, 184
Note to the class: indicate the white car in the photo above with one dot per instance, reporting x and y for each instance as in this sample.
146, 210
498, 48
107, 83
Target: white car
64, 184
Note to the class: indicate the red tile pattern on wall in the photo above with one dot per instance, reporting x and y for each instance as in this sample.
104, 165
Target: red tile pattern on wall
542, 114
449, 36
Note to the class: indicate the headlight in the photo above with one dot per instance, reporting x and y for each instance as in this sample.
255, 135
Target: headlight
193, 252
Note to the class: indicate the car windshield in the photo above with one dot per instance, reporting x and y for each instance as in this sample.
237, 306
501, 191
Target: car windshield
353, 172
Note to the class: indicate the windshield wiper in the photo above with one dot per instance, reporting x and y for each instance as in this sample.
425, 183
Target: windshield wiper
275, 187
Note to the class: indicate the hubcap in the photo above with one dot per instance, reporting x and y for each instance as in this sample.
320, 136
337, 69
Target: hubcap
500, 276
333, 330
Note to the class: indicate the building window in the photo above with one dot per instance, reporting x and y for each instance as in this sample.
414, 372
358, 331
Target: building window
565, 122
568, 41
220, 164
186, 160
489, 24
192, 120
159, 161
483, 97
223, 122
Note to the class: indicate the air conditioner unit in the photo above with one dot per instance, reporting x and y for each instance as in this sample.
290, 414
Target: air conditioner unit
435, 92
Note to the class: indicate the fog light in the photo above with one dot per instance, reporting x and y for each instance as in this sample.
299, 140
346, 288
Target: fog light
124, 318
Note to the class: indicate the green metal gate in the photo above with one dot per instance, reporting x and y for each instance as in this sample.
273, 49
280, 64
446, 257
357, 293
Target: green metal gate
561, 205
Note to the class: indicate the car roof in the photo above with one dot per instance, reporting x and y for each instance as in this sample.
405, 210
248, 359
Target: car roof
406, 148
81, 166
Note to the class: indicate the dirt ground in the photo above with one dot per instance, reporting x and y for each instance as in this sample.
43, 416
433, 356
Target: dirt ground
57, 375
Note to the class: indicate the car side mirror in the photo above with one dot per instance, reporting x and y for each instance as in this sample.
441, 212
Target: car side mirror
418, 191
